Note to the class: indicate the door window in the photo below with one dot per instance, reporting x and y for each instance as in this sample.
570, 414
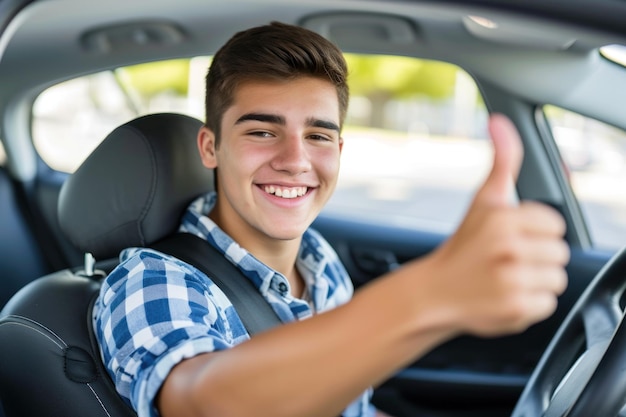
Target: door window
593, 156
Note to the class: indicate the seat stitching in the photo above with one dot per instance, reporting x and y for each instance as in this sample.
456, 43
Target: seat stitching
59, 342
98, 398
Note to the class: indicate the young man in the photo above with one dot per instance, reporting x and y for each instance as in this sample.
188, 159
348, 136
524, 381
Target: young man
276, 102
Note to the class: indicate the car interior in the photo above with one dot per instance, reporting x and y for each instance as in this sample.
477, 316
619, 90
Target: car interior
51, 317
122, 179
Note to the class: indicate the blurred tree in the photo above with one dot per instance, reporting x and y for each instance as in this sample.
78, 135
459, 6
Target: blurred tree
378, 78
156, 77
382, 78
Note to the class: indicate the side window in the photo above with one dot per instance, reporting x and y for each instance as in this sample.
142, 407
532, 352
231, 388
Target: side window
415, 139
593, 156
70, 119
415, 143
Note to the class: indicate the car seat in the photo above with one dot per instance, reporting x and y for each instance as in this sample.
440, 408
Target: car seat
131, 191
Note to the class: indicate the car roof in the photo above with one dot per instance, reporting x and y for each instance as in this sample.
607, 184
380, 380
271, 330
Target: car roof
69, 37
540, 51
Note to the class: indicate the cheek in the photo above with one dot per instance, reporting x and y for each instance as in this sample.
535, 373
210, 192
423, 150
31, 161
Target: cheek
240, 162
328, 165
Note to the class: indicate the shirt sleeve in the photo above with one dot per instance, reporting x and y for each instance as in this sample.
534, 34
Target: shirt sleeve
154, 311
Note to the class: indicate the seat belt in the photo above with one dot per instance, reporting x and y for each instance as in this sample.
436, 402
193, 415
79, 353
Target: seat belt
255, 311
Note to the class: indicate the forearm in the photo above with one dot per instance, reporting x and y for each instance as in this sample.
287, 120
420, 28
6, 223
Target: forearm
314, 367
489, 280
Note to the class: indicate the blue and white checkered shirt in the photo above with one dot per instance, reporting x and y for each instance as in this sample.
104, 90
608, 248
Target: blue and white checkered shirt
155, 310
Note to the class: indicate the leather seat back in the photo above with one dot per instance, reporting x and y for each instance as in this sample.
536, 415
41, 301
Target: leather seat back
130, 192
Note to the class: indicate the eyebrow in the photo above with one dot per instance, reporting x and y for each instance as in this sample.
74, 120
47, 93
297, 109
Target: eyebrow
324, 124
280, 120
262, 117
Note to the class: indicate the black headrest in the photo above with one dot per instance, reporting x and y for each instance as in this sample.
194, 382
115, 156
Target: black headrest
133, 189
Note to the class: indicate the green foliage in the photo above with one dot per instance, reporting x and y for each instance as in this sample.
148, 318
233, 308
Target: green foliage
400, 77
156, 77
370, 75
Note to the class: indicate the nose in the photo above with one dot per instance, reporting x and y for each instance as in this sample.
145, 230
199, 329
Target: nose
292, 155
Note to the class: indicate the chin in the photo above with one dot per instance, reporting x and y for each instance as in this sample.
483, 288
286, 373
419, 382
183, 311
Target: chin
287, 233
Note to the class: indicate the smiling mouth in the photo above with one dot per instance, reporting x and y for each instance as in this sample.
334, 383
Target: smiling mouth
285, 192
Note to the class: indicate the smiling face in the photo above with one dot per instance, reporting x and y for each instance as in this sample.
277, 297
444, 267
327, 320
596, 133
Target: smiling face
278, 159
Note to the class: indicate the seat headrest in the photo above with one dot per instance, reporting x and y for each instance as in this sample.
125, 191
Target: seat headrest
133, 189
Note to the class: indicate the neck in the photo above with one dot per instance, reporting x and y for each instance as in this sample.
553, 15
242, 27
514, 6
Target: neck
278, 254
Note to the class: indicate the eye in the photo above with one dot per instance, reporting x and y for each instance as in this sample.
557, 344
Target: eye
320, 137
261, 134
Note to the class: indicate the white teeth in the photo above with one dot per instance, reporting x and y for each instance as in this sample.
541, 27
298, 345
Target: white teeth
286, 192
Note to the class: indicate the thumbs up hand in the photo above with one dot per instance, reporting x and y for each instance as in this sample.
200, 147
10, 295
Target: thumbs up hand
504, 267
499, 187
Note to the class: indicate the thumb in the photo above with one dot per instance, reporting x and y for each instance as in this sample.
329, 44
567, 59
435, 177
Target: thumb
499, 187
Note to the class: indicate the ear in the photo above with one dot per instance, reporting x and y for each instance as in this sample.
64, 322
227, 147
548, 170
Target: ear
206, 146
340, 144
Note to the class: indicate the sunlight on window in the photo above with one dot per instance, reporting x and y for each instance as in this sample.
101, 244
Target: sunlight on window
3, 155
615, 53
415, 143
72, 118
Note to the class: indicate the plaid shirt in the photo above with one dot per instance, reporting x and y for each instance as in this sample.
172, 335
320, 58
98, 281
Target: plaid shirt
155, 310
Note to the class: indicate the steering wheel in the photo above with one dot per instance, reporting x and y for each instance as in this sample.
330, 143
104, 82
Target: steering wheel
582, 373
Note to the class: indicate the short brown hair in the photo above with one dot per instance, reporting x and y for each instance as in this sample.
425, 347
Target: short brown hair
274, 52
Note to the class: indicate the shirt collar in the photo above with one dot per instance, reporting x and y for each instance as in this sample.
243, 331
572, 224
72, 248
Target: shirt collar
313, 254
